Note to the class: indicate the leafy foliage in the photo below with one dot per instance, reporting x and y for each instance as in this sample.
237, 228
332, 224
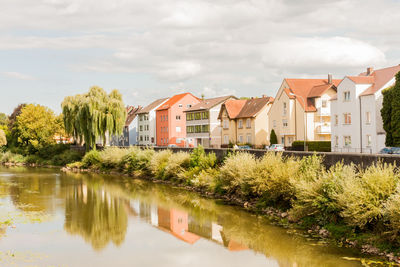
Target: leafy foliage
390, 113
3, 139
35, 127
3, 119
90, 116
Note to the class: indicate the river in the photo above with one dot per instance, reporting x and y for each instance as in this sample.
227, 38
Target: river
58, 219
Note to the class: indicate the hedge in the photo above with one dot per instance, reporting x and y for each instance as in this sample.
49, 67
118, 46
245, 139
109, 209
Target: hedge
319, 146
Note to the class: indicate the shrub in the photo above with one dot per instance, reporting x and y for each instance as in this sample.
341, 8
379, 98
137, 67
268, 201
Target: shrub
392, 212
10, 157
363, 198
159, 162
111, 157
199, 158
310, 168
33, 159
177, 164
206, 179
272, 179
273, 139
92, 158
237, 172
319, 146
68, 156
138, 159
316, 197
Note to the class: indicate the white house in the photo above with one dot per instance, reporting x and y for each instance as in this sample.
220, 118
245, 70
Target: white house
356, 120
146, 123
130, 133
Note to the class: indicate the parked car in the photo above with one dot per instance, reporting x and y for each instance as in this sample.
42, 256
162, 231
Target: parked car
172, 145
276, 147
244, 147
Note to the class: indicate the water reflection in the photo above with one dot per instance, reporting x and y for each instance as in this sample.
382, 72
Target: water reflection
100, 209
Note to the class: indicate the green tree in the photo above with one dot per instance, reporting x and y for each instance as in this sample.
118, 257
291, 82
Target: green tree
273, 139
35, 127
386, 113
3, 139
395, 121
13, 138
3, 119
94, 114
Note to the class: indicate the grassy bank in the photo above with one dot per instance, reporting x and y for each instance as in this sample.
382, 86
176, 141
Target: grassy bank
351, 205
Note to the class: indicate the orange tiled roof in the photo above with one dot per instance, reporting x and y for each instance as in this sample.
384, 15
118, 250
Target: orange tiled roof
303, 87
173, 100
253, 106
233, 107
380, 78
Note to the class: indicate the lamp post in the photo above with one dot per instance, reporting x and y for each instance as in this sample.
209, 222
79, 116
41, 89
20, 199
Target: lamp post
305, 121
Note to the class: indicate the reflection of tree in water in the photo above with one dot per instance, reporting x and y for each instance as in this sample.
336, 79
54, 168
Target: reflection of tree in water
95, 215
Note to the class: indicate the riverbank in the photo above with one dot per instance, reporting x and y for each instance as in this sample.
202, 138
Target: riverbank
345, 204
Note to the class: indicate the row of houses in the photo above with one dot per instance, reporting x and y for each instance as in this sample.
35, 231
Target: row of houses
344, 111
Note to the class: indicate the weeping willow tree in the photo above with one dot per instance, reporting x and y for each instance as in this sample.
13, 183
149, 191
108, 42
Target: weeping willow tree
94, 114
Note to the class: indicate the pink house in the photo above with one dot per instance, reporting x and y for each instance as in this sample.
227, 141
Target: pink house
171, 121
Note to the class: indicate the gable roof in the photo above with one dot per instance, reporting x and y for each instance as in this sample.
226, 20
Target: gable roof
380, 78
151, 106
209, 103
173, 100
132, 112
253, 106
233, 107
305, 88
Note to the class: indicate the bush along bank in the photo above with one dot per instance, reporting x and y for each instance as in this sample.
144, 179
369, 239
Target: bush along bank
54, 155
355, 207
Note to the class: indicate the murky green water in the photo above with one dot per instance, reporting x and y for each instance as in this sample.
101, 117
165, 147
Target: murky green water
61, 219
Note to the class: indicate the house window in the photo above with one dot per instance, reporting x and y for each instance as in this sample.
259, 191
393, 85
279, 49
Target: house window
166, 117
347, 118
368, 117
284, 109
347, 141
141, 138
336, 119
248, 123
290, 141
283, 140
240, 139
336, 140
324, 103
226, 124
180, 105
274, 123
226, 139
369, 140
188, 106
140, 128
178, 129
248, 138
346, 96
240, 124
140, 117
178, 117
285, 123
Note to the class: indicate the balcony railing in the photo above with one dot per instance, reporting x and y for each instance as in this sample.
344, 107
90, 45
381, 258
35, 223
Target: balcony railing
323, 129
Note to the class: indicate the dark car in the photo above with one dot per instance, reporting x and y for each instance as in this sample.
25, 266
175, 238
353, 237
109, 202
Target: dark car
386, 150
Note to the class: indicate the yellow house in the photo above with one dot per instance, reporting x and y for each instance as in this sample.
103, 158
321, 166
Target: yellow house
301, 110
245, 121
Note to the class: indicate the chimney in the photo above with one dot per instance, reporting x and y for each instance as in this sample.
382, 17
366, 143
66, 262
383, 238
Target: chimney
329, 78
369, 70
264, 96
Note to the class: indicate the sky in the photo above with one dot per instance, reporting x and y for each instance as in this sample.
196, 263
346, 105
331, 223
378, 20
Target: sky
150, 49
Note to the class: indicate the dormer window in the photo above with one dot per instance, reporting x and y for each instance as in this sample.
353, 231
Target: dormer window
180, 105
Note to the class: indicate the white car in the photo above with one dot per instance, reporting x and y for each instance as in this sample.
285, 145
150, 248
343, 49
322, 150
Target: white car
276, 147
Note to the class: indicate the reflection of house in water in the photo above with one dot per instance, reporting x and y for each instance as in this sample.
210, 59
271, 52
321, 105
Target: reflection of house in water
177, 223
183, 226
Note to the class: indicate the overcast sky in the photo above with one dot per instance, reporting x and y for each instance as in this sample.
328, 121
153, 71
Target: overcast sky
155, 48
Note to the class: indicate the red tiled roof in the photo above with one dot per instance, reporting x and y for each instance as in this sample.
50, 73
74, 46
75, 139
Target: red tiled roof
319, 90
361, 79
303, 87
233, 107
173, 100
380, 78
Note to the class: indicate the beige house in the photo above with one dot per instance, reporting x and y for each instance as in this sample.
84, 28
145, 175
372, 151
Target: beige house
202, 124
245, 121
301, 110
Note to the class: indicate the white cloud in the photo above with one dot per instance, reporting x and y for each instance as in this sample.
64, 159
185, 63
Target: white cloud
17, 75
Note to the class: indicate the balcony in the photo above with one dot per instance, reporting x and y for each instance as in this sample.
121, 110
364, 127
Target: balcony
323, 112
323, 128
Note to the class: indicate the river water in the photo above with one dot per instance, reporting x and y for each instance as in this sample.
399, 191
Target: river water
58, 219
